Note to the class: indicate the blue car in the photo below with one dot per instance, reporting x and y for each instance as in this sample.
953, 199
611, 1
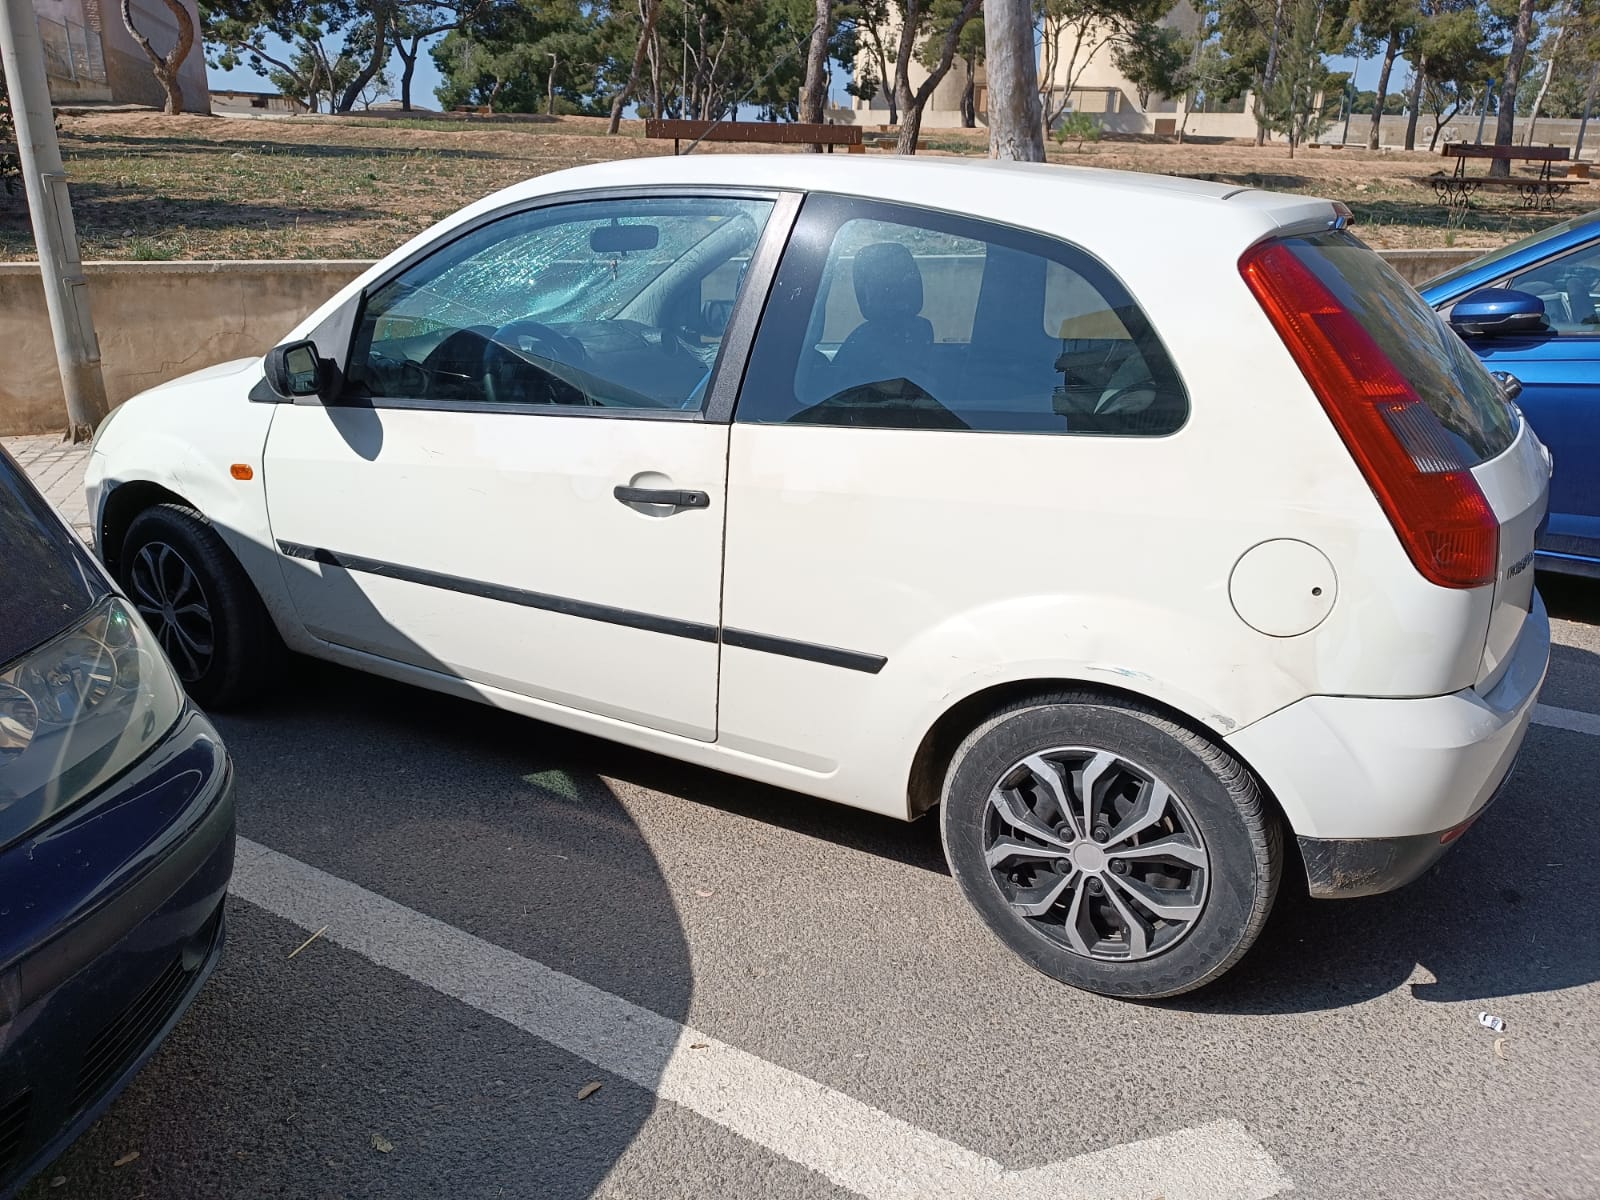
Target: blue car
1532, 311
116, 837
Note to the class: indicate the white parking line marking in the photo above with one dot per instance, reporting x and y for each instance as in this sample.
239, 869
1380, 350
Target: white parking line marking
1567, 718
854, 1145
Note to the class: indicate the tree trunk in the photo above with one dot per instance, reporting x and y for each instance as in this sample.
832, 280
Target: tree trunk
380, 51
1538, 101
1414, 102
814, 96
1588, 107
1016, 122
969, 96
910, 127
1440, 120
648, 11
407, 69
912, 103
654, 57
1383, 89
1506, 123
165, 67
1269, 74
1549, 72
885, 76
909, 121
550, 88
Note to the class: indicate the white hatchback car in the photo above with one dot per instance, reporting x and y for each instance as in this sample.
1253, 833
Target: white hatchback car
1138, 525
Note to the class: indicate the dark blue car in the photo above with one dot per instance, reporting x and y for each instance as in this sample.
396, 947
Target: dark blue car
1540, 323
116, 837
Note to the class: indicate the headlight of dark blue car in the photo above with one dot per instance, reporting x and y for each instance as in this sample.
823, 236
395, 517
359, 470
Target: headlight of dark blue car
78, 710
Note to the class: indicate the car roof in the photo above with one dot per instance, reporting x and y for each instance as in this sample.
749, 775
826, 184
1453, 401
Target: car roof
1077, 202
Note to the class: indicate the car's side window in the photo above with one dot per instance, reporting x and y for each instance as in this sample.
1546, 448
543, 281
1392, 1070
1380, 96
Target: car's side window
1570, 289
888, 317
606, 304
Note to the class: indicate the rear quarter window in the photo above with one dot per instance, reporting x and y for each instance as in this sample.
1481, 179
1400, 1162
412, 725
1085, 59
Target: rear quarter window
1446, 375
892, 317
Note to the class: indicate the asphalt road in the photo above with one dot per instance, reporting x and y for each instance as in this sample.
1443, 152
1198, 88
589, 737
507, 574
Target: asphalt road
803, 940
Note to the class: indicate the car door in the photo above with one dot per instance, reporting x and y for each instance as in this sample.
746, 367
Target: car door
522, 480
1560, 374
929, 398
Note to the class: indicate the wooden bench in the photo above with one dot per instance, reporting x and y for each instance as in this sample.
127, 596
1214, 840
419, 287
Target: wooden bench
792, 133
1540, 191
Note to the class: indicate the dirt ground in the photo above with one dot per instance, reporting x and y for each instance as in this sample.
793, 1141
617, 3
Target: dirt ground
147, 186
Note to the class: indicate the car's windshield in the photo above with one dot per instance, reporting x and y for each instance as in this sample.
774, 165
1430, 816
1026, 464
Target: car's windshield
1516, 248
46, 581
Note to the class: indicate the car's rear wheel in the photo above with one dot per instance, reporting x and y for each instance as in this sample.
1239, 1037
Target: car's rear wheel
1112, 848
200, 604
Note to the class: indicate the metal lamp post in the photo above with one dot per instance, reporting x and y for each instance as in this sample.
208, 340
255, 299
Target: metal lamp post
65, 292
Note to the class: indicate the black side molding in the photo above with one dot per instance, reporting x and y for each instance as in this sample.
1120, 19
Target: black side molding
831, 656
693, 630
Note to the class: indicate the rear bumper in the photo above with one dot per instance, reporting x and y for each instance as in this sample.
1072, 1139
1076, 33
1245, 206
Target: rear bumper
1345, 868
1400, 772
90, 989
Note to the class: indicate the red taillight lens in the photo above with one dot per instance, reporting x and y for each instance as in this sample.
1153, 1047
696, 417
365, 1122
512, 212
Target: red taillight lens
1412, 464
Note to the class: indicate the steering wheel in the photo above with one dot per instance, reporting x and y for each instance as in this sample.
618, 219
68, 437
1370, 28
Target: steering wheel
522, 361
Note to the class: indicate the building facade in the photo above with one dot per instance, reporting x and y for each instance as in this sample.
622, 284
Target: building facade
91, 58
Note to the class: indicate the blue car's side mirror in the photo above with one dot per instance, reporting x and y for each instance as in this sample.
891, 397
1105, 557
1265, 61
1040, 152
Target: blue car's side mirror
1496, 312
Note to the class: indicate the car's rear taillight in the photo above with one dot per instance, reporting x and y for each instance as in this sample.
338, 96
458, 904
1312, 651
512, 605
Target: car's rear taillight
1414, 465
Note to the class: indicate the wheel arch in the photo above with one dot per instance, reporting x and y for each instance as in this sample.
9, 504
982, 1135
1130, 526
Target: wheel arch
931, 763
122, 506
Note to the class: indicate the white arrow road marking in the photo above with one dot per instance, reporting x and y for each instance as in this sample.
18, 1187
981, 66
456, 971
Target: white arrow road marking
1567, 718
853, 1144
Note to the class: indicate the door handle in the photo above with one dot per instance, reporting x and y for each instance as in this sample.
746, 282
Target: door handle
669, 496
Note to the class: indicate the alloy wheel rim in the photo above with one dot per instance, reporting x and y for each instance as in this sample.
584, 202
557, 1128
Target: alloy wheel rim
1095, 853
168, 595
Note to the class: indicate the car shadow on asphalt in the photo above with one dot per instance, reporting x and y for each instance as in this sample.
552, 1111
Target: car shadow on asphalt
1495, 917
593, 760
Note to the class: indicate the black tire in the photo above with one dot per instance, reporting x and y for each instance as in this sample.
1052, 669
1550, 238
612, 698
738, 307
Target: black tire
244, 654
1220, 806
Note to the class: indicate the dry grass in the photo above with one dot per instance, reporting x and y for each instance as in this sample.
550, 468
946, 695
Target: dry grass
151, 186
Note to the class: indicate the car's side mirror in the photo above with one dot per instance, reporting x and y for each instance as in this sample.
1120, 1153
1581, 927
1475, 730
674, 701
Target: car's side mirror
295, 369
1497, 312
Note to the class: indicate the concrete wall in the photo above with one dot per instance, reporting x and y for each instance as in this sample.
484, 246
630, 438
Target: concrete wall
161, 320
1550, 131
156, 321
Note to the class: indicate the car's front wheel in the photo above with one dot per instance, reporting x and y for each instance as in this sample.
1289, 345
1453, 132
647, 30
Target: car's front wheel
200, 604
1112, 848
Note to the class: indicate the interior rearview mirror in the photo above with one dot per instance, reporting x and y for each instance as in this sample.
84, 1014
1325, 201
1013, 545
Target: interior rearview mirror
1497, 312
619, 239
296, 369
